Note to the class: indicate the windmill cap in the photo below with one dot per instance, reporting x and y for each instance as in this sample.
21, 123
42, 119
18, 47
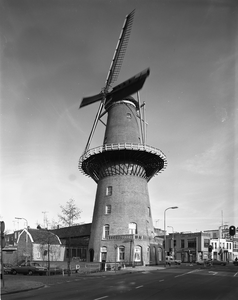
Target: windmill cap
127, 99
130, 98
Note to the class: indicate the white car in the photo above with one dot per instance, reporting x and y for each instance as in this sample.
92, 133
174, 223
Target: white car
170, 260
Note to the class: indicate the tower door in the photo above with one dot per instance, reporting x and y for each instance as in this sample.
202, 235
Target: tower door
137, 255
103, 254
91, 254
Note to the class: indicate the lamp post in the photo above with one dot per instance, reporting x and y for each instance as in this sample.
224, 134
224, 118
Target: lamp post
115, 247
23, 219
172, 246
172, 207
26, 235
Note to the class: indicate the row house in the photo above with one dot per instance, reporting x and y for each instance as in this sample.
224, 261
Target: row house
222, 249
193, 246
188, 246
225, 247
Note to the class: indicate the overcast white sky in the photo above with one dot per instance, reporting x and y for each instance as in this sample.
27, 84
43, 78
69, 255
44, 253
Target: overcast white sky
55, 52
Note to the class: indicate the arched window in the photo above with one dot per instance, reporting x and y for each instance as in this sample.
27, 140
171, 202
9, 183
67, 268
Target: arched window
132, 228
106, 228
121, 253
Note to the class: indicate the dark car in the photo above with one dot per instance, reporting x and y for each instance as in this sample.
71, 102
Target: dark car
29, 268
235, 262
216, 262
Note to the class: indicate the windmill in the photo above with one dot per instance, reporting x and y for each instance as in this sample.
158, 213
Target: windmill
121, 167
108, 94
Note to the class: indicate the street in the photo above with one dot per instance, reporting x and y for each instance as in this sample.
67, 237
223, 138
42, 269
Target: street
172, 283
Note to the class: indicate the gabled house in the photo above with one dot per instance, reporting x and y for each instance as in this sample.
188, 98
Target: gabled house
39, 245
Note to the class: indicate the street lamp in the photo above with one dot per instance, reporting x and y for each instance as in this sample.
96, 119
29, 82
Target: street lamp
172, 246
23, 219
26, 234
172, 207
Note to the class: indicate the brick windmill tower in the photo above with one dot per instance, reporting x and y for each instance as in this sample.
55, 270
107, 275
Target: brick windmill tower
122, 227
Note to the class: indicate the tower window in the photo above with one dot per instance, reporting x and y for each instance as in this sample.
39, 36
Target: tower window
108, 209
109, 191
149, 213
106, 231
132, 228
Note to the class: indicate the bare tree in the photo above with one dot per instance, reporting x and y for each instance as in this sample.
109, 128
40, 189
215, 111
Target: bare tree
70, 213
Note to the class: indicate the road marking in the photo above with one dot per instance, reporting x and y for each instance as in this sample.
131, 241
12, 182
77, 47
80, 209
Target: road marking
235, 274
194, 271
161, 280
140, 286
212, 273
190, 272
101, 298
180, 275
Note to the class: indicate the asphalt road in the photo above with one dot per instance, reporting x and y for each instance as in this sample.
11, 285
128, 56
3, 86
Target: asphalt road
172, 283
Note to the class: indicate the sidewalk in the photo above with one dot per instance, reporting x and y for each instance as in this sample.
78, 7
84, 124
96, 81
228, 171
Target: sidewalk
15, 285
19, 285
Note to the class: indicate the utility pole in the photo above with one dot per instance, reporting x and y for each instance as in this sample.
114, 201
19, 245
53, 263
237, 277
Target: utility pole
45, 217
172, 243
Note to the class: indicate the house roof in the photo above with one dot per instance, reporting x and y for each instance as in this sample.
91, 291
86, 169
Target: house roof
76, 231
40, 236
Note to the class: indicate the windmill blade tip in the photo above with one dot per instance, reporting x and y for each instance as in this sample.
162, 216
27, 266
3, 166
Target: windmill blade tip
131, 13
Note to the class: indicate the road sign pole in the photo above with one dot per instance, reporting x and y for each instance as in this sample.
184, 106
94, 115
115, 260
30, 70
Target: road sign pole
2, 246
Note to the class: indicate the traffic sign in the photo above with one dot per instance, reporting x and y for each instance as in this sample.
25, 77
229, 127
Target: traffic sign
2, 226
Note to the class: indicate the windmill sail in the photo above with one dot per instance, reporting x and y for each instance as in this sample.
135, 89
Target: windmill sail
120, 51
128, 87
91, 99
116, 62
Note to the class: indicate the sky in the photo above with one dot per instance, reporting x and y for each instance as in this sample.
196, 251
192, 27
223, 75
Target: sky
55, 52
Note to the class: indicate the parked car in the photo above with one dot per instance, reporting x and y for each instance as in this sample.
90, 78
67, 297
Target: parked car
29, 268
170, 260
215, 262
7, 268
235, 262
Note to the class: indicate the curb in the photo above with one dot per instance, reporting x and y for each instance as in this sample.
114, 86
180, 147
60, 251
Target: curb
5, 292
